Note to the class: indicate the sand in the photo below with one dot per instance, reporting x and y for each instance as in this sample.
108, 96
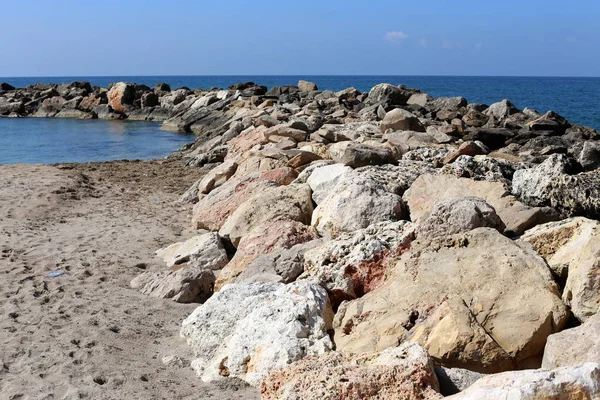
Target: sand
86, 333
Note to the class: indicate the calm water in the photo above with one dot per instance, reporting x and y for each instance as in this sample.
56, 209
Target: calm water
52, 140
577, 99
34, 140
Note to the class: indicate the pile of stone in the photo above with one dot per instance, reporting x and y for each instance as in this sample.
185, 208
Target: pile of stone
383, 245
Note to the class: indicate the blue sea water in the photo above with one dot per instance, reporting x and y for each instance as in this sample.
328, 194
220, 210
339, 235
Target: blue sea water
577, 99
53, 140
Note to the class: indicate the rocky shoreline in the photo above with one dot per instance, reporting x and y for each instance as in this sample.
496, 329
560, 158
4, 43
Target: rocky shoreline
375, 245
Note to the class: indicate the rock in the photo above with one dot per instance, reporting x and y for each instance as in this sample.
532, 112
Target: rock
467, 149
263, 239
293, 202
217, 176
404, 372
409, 140
174, 98
572, 248
482, 168
324, 178
305, 86
477, 301
357, 155
203, 251
551, 183
475, 119
430, 155
5, 87
428, 189
50, 107
104, 111
121, 96
501, 109
284, 131
420, 99
74, 113
579, 382
449, 103
355, 263
455, 380
574, 346
8, 107
589, 157
494, 138
390, 95
187, 285
401, 120
247, 330
550, 121
365, 196
149, 99
280, 265
449, 217
246, 140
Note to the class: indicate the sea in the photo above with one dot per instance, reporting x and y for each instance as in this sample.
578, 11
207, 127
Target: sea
32, 140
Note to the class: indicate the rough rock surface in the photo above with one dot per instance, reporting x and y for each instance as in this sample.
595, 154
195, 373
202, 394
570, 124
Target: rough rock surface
579, 382
464, 301
401, 373
428, 189
323, 178
574, 346
354, 264
246, 330
357, 155
401, 120
204, 251
572, 249
187, 285
121, 96
455, 380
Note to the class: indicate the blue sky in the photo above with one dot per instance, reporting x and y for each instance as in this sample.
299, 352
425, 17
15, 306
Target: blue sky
237, 37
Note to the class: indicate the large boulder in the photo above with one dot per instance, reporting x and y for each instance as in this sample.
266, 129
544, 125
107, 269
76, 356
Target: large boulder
388, 94
293, 202
455, 380
366, 196
428, 189
263, 239
204, 251
306, 86
401, 120
574, 346
572, 249
247, 330
357, 155
355, 263
323, 178
476, 300
501, 110
404, 372
121, 96
449, 217
579, 382
554, 183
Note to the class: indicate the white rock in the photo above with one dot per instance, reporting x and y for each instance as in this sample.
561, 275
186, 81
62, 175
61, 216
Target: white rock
206, 251
323, 179
246, 330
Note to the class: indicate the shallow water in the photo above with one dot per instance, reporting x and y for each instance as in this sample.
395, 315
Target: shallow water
53, 140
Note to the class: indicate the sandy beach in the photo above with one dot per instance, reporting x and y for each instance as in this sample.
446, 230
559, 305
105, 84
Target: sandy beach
86, 333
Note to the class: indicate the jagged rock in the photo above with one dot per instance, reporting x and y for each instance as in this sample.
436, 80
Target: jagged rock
475, 119
574, 346
121, 96
357, 155
50, 107
467, 149
401, 120
355, 263
174, 98
366, 196
149, 99
501, 109
105, 111
74, 113
477, 301
579, 382
8, 107
293, 202
351, 131
217, 176
455, 380
306, 86
494, 138
482, 168
274, 133
204, 251
5, 87
449, 217
448, 103
572, 249
263, 239
385, 93
552, 184
589, 157
420, 99
187, 285
246, 140
404, 372
430, 155
248, 330
280, 265
550, 121
323, 179
427, 189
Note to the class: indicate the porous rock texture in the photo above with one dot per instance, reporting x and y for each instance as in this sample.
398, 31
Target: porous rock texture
574, 346
246, 330
404, 372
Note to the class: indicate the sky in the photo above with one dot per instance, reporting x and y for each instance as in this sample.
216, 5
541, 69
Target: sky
287, 37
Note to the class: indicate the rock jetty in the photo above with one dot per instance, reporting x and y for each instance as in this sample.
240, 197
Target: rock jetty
380, 245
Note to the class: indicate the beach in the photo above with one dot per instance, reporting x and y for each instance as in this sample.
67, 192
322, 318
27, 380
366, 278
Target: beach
85, 333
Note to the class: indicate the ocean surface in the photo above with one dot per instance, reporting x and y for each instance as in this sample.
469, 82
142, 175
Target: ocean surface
53, 140
577, 99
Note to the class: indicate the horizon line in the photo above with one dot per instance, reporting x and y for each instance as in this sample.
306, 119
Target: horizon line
303, 75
